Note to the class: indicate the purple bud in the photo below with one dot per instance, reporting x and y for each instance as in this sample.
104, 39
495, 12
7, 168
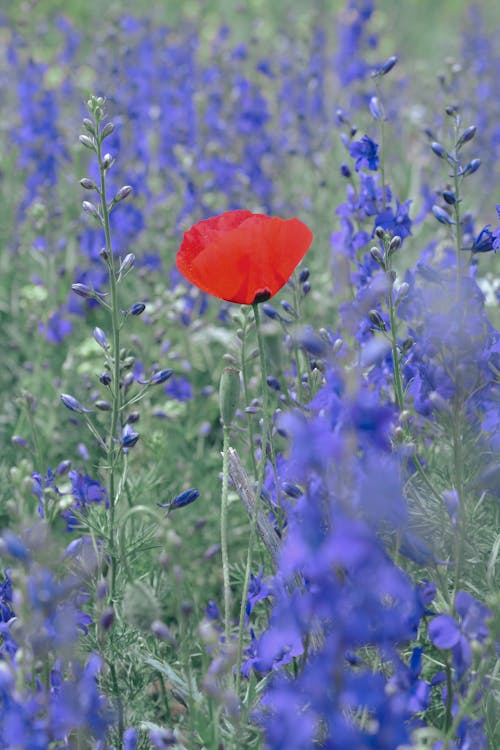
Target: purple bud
180, 501
439, 150
107, 161
288, 308
387, 66
306, 288
375, 108
212, 611
161, 377
211, 551
376, 320
466, 136
450, 499
345, 171
270, 311
107, 618
123, 193
88, 184
401, 293
449, 197
377, 257
19, 441
273, 383
82, 290
441, 215
63, 467
72, 404
13, 545
129, 437
100, 337
137, 308
102, 405
105, 378
394, 244
303, 275
292, 490
472, 167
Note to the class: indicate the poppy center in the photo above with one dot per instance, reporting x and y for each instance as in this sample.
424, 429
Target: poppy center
261, 296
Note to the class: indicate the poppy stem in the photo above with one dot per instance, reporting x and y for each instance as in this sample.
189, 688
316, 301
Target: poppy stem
223, 535
260, 481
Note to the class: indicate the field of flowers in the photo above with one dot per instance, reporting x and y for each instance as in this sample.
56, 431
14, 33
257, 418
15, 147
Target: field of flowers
250, 346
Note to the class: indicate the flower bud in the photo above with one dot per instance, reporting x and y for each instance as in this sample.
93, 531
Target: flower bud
438, 150
127, 264
100, 338
466, 136
161, 377
103, 405
88, 125
107, 130
376, 320
229, 394
123, 193
387, 66
441, 215
107, 161
375, 108
394, 244
72, 404
88, 184
137, 308
89, 208
449, 197
86, 141
377, 256
472, 167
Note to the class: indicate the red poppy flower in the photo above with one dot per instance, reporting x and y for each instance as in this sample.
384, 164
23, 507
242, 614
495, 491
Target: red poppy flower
243, 257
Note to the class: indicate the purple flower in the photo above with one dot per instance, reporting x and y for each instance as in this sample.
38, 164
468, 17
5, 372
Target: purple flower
179, 388
56, 328
457, 633
365, 152
396, 222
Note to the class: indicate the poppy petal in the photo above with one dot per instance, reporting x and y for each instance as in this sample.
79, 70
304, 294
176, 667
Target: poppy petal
243, 257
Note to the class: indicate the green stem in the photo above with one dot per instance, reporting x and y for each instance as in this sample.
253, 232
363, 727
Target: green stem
456, 208
398, 381
112, 453
246, 395
260, 482
224, 536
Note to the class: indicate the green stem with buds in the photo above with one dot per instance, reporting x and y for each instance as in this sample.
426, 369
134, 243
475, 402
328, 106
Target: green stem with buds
116, 401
